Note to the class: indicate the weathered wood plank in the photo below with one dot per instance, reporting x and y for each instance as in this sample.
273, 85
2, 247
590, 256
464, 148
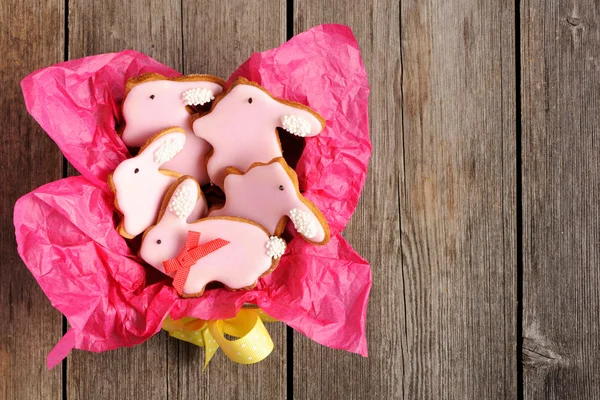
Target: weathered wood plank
30, 326
339, 374
150, 26
219, 35
230, 32
133, 373
320, 372
560, 49
459, 198
442, 313
154, 28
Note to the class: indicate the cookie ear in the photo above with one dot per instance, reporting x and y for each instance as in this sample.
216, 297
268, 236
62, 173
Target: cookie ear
164, 146
194, 93
309, 222
300, 120
138, 80
181, 199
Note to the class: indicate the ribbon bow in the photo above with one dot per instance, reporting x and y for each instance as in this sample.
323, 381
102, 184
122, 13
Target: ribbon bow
254, 343
192, 252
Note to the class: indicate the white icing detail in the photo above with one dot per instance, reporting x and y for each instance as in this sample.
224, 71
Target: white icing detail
275, 247
168, 150
197, 96
304, 223
183, 201
295, 125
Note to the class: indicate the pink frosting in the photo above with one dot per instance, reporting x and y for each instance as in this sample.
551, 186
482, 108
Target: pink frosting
243, 132
237, 265
144, 116
258, 196
140, 194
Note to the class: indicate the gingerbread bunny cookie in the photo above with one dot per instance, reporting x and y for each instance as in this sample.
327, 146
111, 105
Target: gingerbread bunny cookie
140, 184
268, 194
233, 251
153, 102
242, 127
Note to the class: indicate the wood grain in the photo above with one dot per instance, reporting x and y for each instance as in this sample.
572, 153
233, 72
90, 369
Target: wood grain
139, 372
220, 35
439, 204
560, 49
103, 26
459, 198
30, 326
150, 26
230, 32
317, 369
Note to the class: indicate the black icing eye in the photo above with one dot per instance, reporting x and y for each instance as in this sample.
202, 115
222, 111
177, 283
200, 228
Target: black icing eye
135, 171
280, 187
250, 100
152, 97
158, 241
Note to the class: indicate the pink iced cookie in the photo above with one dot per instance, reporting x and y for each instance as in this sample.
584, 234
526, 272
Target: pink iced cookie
268, 194
242, 127
247, 254
153, 103
140, 184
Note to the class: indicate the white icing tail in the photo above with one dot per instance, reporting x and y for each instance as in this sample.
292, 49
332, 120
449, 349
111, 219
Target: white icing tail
275, 247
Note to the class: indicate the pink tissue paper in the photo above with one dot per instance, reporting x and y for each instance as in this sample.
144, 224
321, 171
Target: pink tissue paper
66, 232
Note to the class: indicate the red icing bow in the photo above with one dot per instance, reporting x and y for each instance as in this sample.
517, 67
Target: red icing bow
192, 252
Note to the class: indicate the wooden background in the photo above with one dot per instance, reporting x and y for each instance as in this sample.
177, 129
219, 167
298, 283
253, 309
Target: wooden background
479, 217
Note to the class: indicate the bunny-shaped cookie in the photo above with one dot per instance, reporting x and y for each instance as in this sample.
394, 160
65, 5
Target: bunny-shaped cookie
245, 253
268, 194
153, 102
242, 127
140, 184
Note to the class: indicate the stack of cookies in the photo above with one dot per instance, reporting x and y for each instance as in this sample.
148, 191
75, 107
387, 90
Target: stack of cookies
192, 134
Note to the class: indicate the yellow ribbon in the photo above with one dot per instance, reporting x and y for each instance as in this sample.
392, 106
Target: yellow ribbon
254, 343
